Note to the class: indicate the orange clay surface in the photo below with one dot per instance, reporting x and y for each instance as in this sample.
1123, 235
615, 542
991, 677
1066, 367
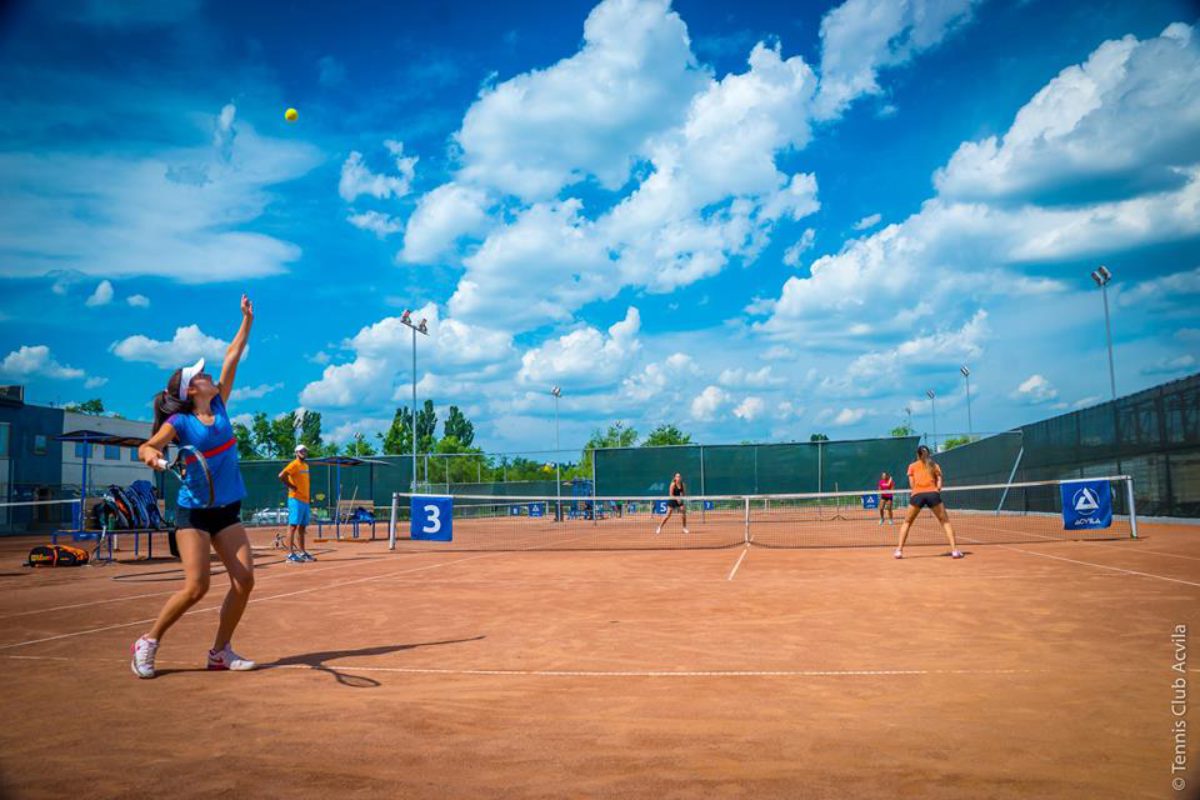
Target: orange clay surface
1038, 669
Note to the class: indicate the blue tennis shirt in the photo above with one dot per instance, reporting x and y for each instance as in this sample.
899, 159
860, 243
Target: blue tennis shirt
219, 447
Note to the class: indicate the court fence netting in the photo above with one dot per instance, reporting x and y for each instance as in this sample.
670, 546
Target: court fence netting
1003, 513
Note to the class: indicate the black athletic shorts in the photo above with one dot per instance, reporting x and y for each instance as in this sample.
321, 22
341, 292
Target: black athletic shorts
210, 520
926, 499
673, 503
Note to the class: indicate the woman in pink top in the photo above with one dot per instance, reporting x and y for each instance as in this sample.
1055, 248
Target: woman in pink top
886, 485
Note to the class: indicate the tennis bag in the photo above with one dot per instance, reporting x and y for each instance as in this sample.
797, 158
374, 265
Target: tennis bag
57, 555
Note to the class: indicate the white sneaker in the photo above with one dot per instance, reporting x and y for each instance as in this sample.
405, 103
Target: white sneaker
658, 530
898, 553
227, 659
881, 522
891, 522
142, 660
685, 530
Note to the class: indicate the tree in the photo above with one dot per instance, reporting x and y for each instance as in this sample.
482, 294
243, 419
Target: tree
459, 427
666, 435
818, 437
398, 439
283, 435
359, 446
617, 435
426, 428
955, 441
95, 407
260, 427
310, 431
245, 443
902, 430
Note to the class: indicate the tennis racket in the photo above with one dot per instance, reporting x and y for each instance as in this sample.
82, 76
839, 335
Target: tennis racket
191, 468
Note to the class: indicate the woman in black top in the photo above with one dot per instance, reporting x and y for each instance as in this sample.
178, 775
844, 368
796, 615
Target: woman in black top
678, 492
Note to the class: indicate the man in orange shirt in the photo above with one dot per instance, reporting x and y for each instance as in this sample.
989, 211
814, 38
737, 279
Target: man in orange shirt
295, 477
925, 480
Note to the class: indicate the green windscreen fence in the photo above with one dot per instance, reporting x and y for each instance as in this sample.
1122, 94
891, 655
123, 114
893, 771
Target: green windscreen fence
1153, 436
375, 483
753, 468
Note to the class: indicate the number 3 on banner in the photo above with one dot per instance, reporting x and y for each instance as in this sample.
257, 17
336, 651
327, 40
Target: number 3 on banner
432, 519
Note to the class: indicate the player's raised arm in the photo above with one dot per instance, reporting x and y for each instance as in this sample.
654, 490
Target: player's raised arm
233, 354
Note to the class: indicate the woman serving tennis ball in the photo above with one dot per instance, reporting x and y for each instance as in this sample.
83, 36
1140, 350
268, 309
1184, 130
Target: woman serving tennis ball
925, 479
191, 411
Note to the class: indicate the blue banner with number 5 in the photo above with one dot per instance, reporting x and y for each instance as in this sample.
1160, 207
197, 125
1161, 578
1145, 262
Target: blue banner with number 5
432, 519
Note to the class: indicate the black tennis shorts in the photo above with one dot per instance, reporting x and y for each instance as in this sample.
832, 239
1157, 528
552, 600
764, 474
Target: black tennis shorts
674, 504
926, 499
210, 520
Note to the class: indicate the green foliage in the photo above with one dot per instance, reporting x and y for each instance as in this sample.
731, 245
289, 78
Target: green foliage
260, 427
666, 435
95, 407
426, 428
818, 437
955, 441
310, 432
458, 427
245, 443
359, 446
902, 430
398, 439
283, 435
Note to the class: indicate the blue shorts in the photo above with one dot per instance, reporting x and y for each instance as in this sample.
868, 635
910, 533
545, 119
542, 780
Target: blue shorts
298, 512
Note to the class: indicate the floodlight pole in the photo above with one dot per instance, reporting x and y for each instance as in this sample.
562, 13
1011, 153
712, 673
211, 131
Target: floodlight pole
966, 373
557, 392
1102, 276
933, 409
406, 319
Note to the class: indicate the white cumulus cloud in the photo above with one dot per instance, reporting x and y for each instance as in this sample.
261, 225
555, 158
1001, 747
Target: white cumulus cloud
30, 361
188, 344
102, 296
357, 179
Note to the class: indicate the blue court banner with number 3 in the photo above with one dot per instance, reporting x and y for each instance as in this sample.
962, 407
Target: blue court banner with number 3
1086, 505
432, 519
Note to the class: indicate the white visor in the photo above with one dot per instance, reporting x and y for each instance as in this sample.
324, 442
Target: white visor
186, 375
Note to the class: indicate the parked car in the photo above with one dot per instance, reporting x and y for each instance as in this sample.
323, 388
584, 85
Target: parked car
270, 516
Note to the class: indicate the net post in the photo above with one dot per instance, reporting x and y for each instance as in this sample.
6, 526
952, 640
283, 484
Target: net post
392, 521
746, 517
1132, 507
1011, 475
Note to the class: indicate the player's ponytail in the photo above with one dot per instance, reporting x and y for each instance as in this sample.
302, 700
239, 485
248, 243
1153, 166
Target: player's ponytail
167, 403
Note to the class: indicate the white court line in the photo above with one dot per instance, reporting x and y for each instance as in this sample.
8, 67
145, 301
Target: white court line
262, 600
733, 571
1091, 563
619, 673
335, 585
287, 572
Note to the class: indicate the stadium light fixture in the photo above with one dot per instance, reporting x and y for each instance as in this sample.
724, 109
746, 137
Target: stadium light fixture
1102, 276
557, 392
966, 373
406, 319
933, 409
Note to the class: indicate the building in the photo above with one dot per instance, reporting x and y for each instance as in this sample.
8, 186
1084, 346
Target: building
106, 464
34, 466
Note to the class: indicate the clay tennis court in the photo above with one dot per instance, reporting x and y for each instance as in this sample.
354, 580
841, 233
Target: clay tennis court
1028, 669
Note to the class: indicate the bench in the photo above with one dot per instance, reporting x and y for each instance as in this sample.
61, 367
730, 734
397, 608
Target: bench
82, 534
344, 512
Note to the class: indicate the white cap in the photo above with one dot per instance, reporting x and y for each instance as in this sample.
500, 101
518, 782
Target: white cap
186, 375
301, 448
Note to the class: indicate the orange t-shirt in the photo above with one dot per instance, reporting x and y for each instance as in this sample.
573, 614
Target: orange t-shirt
922, 478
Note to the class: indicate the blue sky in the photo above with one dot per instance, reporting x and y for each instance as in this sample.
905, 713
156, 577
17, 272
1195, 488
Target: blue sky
753, 220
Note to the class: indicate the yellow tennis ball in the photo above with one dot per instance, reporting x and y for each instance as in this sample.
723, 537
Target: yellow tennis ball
291, 115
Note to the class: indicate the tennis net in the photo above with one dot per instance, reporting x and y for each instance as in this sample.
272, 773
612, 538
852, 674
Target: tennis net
988, 514
38, 516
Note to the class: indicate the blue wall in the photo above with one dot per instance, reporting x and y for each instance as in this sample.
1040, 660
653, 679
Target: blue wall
28, 470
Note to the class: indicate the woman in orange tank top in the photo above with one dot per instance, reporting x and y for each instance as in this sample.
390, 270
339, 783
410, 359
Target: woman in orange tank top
925, 480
